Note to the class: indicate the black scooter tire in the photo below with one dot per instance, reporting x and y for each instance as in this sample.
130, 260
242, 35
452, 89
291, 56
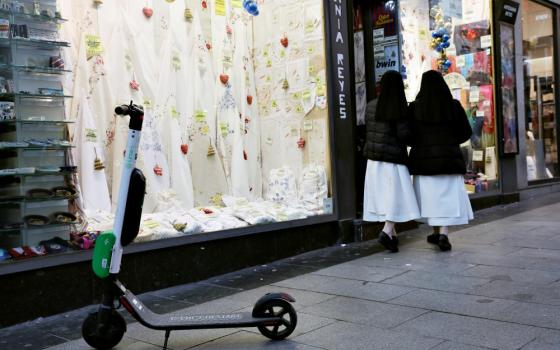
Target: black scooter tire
107, 339
274, 332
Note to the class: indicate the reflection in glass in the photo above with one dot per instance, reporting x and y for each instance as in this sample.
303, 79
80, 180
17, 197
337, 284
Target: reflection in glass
538, 70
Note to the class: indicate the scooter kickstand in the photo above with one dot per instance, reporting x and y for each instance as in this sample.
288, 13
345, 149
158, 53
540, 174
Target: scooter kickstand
167, 332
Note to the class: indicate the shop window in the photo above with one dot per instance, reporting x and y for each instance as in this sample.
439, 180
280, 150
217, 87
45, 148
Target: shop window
466, 61
540, 105
236, 127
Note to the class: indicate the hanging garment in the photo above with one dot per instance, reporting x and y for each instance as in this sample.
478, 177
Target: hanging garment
202, 127
93, 183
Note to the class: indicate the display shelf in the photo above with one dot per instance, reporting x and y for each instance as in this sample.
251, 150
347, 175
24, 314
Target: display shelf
31, 17
41, 174
36, 148
34, 43
23, 200
44, 122
8, 68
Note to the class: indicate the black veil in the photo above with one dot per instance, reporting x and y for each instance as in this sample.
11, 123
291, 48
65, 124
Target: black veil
391, 104
434, 102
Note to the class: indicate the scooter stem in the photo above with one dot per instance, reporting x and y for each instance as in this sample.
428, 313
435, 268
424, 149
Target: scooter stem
136, 114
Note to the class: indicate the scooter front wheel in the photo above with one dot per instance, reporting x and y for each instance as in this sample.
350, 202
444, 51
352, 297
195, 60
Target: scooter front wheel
103, 338
278, 308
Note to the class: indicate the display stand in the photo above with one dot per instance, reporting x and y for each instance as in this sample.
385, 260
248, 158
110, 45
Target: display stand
35, 173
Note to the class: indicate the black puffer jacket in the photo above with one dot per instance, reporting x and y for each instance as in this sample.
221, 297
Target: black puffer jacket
385, 140
436, 146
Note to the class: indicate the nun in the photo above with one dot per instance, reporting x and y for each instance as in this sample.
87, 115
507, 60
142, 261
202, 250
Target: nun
388, 192
439, 126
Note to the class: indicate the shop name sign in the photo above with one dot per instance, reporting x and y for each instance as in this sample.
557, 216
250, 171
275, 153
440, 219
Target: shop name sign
509, 11
339, 32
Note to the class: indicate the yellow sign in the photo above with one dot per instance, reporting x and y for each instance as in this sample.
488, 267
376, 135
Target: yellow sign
93, 46
236, 3
220, 7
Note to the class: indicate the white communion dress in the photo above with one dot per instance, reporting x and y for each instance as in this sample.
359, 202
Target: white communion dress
388, 193
443, 200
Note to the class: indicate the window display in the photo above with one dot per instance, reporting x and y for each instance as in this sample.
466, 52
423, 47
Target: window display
540, 107
454, 37
236, 120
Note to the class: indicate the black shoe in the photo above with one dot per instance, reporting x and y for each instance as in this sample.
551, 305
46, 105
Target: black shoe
433, 238
443, 243
390, 243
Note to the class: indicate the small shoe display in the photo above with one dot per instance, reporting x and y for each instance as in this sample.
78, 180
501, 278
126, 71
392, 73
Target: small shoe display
443, 243
55, 245
390, 243
63, 191
62, 217
4, 255
433, 238
39, 193
36, 220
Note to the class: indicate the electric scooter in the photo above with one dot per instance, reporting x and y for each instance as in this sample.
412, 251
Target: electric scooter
272, 314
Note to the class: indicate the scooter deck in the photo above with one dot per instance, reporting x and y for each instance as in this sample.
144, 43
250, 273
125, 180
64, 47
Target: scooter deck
185, 321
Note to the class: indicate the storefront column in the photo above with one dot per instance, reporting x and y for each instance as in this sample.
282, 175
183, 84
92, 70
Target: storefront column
340, 78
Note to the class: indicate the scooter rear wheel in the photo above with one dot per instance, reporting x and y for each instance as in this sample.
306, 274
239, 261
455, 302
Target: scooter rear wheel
278, 308
107, 338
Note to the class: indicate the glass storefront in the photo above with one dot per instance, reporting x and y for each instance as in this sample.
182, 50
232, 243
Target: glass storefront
454, 36
539, 45
236, 128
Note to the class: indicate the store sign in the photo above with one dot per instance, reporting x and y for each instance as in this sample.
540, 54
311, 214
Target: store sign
509, 11
339, 52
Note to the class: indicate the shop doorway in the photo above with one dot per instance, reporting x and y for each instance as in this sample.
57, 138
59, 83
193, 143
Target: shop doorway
539, 71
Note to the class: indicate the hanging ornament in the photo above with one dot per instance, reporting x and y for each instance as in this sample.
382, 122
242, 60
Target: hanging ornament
284, 41
158, 170
285, 84
211, 151
208, 46
188, 15
97, 163
229, 31
244, 155
95, 2
301, 143
184, 148
204, 4
147, 11
224, 78
134, 85
251, 7
249, 100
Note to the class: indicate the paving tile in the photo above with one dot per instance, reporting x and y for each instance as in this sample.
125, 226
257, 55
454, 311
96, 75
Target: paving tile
532, 314
196, 293
520, 292
305, 323
373, 313
303, 298
438, 281
537, 345
345, 287
359, 272
447, 345
412, 263
178, 339
80, 344
454, 303
512, 274
250, 341
493, 260
470, 330
26, 336
542, 253
349, 336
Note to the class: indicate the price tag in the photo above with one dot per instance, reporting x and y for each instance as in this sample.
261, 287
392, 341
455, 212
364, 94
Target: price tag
220, 6
474, 95
485, 41
480, 113
460, 61
478, 155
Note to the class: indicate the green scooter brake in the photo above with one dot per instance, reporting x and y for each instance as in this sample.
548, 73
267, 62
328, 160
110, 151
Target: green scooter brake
102, 254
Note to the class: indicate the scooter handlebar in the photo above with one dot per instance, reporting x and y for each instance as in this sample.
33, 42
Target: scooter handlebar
135, 112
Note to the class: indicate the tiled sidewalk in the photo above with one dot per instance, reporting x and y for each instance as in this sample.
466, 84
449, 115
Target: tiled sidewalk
498, 289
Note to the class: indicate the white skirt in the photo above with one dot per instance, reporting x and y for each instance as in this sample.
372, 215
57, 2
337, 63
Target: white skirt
388, 193
443, 200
